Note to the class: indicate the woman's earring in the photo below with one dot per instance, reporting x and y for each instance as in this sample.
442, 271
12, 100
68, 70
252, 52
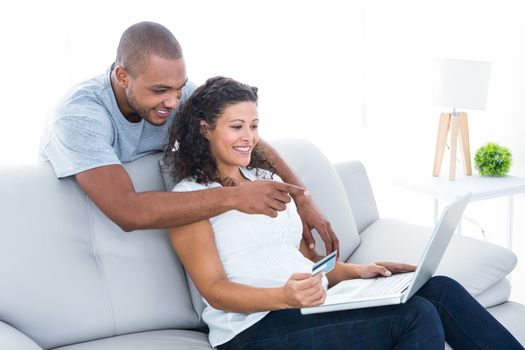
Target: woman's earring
204, 130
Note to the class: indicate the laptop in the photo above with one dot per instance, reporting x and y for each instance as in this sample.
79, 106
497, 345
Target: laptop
396, 289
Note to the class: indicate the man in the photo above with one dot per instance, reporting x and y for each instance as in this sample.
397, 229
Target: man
125, 114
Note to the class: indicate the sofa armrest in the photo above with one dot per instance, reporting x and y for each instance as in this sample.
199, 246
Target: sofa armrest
11, 338
358, 192
477, 265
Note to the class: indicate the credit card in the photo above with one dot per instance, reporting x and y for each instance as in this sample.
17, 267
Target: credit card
326, 264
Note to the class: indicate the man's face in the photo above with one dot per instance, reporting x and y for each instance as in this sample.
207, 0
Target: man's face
156, 91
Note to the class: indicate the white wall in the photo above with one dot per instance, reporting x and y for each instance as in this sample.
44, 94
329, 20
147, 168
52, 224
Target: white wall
352, 76
402, 40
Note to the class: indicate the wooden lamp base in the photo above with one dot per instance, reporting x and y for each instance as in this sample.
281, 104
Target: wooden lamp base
457, 124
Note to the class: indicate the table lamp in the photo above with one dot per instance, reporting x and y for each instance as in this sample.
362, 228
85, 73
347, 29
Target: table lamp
464, 85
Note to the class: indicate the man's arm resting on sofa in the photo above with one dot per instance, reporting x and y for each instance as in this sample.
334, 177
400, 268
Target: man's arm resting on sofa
12, 339
311, 216
112, 190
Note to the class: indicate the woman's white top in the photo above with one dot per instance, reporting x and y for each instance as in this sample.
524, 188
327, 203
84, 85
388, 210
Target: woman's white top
256, 250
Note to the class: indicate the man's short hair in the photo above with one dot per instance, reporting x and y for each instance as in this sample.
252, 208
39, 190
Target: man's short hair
142, 40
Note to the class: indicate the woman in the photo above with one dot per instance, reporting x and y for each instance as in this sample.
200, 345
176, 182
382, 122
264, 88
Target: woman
254, 271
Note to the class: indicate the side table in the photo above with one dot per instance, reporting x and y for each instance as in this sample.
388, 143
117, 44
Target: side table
481, 187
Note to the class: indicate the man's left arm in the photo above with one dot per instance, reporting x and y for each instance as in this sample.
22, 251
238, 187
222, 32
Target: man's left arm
311, 216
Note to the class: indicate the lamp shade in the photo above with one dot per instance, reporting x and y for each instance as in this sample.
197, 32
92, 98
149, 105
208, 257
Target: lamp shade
464, 84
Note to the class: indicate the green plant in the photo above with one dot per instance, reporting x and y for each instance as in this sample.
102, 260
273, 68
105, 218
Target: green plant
493, 160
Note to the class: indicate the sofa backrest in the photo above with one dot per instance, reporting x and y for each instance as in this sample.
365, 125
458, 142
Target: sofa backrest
68, 274
358, 193
322, 181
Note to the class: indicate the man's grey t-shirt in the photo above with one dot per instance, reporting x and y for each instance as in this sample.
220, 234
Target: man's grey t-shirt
87, 130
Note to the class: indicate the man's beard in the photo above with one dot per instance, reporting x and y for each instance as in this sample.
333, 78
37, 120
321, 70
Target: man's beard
142, 112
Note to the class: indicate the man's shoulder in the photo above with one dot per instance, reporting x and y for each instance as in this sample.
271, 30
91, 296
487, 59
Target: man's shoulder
90, 95
81, 110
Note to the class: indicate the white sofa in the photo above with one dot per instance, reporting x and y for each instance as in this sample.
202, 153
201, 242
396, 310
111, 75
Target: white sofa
70, 279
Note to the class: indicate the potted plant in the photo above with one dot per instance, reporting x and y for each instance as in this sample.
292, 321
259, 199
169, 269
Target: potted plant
493, 160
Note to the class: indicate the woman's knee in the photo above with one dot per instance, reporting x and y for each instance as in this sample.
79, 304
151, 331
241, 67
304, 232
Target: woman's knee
444, 282
422, 311
421, 308
442, 287
424, 319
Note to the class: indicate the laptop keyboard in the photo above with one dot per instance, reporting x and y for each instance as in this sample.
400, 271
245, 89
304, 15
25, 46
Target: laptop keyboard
386, 285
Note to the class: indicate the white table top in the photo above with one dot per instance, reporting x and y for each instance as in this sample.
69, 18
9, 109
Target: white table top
481, 187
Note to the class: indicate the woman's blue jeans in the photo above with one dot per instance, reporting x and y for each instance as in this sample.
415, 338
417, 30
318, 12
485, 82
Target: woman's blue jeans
441, 310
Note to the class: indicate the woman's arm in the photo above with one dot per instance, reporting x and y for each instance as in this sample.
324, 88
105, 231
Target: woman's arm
195, 247
344, 271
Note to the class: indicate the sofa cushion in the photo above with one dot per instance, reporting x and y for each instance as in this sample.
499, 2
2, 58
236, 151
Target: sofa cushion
512, 316
326, 188
71, 274
477, 265
359, 193
496, 294
155, 340
165, 172
12, 338
196, 297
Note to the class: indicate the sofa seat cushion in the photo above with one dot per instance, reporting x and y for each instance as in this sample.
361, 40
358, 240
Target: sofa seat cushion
155, 340
477, 265
512, 316
12, 338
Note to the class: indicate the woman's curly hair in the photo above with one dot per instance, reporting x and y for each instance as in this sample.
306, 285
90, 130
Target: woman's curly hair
188, 153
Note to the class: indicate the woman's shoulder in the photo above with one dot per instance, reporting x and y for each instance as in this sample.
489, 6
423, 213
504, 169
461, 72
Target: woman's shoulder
190, 184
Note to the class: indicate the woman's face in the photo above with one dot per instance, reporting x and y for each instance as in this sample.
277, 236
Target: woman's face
234, 137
